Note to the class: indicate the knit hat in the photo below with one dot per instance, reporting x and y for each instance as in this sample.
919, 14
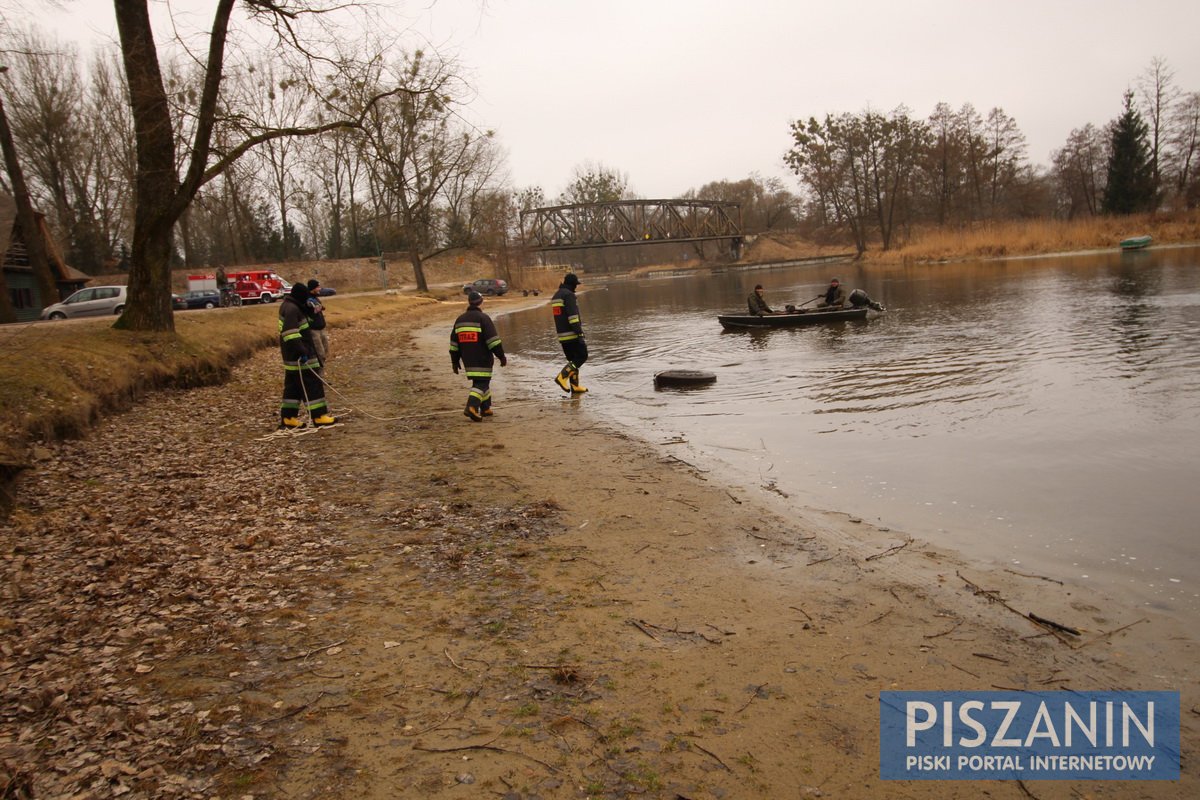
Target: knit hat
313, 284
570, 280
475, 299
300, 292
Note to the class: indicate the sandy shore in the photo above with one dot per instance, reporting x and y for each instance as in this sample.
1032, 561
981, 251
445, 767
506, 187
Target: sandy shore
411, 604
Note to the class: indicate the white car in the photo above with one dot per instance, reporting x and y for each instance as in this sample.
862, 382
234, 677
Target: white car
95, 301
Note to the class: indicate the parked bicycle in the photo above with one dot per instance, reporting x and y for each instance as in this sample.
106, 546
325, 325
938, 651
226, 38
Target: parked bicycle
230, 298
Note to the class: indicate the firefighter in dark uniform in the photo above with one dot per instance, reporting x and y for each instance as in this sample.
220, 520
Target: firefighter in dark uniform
301, 387
570, 334
475, 342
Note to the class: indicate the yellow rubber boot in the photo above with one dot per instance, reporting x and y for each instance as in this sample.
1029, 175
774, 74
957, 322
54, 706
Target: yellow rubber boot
291, 423
575, 387
563, 378
323, 420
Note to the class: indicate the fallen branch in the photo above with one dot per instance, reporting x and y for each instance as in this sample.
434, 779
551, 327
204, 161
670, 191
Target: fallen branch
881, 616
1114, 631
823, 560
706, 752
1049, 623
450, 658
638, 625
308, 653
753, 695
1039, 577
952, 629
890, 550
960, 669
490, 747
802, 611
676, 630
989, 657
294, 711
994, 596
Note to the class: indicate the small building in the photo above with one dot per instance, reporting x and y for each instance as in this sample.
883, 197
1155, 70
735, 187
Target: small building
22, 284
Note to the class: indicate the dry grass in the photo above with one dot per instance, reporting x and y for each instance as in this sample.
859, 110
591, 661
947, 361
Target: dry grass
57, 378
452, 268
1037, 237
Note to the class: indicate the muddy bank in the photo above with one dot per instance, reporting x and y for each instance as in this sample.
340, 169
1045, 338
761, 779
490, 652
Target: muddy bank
410, 604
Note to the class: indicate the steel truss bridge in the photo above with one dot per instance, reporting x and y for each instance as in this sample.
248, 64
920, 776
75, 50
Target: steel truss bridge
629, 222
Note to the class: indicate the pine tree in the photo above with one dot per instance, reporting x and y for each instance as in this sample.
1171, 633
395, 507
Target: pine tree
1130, 186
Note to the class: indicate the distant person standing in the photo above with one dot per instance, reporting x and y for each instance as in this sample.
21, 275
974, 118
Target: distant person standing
757, 303
834, 297
316, 324
302, 389
475, 343
570, 334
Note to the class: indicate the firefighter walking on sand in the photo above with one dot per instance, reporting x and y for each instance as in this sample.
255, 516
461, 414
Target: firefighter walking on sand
302, 388
570, 334
475, 342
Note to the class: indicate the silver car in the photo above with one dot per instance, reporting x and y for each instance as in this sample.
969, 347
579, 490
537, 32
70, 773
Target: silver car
94, 301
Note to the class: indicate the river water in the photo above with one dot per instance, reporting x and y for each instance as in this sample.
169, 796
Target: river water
1043, 414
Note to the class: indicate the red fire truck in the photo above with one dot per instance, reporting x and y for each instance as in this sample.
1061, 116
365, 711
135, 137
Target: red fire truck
253, 286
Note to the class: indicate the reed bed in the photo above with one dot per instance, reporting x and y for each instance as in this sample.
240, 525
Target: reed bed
1038, 237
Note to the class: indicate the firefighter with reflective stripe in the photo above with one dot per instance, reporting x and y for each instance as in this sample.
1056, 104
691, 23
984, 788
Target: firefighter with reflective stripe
475, 343
302, 389
570, 334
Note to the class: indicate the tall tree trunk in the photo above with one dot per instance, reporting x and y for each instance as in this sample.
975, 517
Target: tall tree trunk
8, 216
35, 245
157, 185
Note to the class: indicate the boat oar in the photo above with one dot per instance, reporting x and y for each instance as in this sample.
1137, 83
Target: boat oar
806, 302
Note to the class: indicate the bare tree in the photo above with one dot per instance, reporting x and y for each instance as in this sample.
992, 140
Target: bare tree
162, 194
592, 182
1184, 148
1003, 160
1079, 168
418, 147
1158, 92
31, 231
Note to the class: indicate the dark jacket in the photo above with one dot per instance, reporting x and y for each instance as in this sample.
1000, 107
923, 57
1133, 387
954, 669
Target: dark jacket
295, 339
834, 296
476, 343
316, 314
566, 315
757, 305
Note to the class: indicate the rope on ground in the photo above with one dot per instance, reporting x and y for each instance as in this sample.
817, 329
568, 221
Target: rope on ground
349, 405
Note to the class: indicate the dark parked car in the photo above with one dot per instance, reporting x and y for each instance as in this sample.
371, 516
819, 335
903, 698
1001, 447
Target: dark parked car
494, 286
200, 298
325, 291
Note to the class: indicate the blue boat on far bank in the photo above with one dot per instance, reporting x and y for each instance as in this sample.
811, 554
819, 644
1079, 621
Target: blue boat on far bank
1135, 243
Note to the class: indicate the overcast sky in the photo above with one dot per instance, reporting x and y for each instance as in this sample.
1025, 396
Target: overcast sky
677, 93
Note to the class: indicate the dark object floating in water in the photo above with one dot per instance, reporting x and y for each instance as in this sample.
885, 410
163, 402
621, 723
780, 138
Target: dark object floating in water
683, 378
1135, 242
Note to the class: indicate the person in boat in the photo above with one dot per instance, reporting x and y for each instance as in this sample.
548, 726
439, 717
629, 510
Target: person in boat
757, 304
834, 297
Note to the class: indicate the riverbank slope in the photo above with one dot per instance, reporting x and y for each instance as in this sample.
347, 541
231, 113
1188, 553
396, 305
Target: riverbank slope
411, 604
